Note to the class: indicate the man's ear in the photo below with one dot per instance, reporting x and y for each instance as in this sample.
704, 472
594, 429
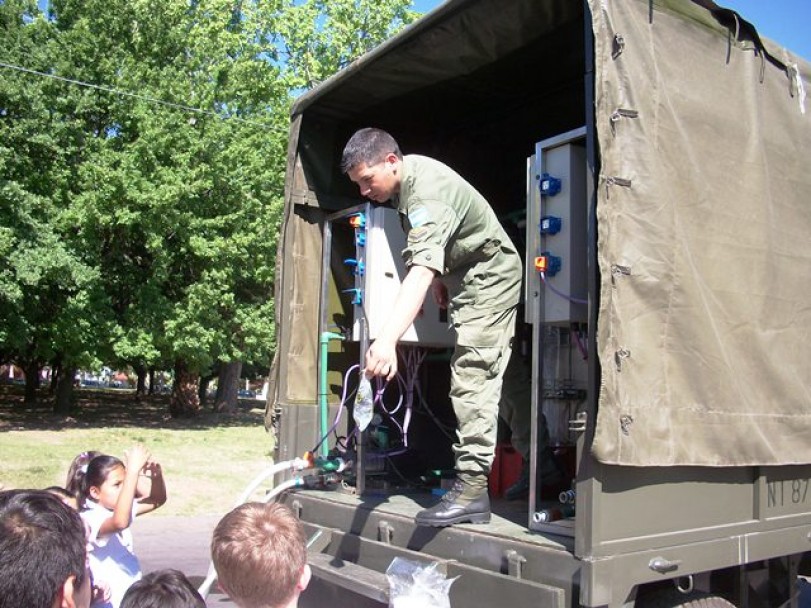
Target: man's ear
304, 580
64, 596
391, 159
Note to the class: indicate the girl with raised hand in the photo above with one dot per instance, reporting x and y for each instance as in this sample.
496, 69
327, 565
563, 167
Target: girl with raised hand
107, 490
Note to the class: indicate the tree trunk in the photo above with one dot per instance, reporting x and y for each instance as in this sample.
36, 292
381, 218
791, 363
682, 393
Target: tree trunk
64, 390
151, 380
228, 387
202, 390
31, 370
140, 386
184, 402
56, 371
220, 372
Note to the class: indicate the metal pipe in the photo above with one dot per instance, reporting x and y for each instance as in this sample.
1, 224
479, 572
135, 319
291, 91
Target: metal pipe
323, 406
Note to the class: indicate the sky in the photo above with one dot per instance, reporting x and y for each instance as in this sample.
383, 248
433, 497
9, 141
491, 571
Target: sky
787, 22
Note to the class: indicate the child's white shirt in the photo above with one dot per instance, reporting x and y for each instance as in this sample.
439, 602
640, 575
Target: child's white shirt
112, 558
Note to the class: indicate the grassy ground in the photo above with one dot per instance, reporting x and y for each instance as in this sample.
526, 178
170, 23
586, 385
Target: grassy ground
207, 461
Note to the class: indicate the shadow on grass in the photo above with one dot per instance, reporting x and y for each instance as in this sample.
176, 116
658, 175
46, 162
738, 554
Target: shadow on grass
99, 408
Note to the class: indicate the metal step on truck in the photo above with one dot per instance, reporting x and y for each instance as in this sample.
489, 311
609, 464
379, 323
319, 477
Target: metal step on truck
652, 159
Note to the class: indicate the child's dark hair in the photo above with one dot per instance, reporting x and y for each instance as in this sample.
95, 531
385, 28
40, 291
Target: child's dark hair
163, 589
59, 492
80, 462
84, 473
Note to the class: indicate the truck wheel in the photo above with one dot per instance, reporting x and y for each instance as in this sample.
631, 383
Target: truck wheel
675, 599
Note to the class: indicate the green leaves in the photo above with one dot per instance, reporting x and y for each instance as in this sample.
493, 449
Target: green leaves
139, 214
317, 38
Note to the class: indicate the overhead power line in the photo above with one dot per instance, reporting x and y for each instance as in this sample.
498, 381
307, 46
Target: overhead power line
106, 89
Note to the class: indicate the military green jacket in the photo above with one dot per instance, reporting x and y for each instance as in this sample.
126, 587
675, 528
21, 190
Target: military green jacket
453, 230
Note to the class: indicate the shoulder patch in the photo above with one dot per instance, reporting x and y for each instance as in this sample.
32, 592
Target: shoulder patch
417, 217
416, 234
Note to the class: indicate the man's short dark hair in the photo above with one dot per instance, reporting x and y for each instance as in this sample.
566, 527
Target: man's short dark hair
42, 544
370, 146
163, 589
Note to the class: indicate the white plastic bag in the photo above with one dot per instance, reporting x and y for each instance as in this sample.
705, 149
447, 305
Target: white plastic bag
364, 404
417, 585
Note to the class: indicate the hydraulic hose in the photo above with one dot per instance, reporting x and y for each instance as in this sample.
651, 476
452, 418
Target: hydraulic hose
297, 464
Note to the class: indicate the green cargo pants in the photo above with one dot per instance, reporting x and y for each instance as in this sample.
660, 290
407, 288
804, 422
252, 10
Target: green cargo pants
483, 348
515, 408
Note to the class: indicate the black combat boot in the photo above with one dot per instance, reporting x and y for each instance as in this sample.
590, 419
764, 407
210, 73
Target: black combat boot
466, 502
520, 489
551, 475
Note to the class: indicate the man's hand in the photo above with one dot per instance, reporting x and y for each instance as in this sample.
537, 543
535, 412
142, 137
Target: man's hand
381, 359
440, 291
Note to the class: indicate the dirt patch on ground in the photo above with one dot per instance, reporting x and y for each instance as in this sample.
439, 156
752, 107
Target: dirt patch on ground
113, 408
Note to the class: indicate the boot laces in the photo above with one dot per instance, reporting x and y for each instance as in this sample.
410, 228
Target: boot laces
455, 492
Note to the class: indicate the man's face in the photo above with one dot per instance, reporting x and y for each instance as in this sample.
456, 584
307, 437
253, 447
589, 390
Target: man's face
378, 182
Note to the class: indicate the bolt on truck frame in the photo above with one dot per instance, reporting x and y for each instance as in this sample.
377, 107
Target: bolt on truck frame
655, 155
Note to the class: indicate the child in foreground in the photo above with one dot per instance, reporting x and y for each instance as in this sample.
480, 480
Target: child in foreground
163, 589
260, 554
106, 494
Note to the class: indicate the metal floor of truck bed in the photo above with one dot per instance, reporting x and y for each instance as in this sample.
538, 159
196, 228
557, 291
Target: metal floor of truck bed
509, 518
353, 540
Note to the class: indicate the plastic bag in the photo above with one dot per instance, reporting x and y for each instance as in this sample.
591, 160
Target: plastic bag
417, 585
364, 404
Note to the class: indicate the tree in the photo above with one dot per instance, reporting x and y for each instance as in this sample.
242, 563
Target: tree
143, 207
317, 38
49, 298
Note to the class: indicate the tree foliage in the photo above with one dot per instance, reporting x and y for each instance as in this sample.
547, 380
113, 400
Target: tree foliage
318, 38
142, 159
50, 302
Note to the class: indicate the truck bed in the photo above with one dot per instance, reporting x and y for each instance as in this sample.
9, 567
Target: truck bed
356, 538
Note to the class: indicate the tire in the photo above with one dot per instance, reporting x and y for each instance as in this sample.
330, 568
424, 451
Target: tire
673, 598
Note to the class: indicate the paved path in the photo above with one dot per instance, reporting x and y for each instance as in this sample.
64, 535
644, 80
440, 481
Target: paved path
181, 543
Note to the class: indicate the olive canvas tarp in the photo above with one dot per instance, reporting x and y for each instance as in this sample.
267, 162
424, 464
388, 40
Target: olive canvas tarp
703, 211
704, 219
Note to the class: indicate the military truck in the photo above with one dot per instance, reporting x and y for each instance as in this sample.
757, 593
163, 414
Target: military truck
652, 157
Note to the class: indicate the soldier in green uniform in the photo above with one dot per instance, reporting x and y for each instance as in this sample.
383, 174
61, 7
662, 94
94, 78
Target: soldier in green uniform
457, 248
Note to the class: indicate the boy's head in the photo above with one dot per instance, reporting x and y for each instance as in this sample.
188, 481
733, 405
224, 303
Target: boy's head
260, 554
44, 555
163, 589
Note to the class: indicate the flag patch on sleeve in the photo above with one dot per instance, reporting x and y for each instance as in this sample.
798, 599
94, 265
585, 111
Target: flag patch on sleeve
417, 217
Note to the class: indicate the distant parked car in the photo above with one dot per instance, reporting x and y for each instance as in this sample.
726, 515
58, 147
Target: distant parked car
246, 394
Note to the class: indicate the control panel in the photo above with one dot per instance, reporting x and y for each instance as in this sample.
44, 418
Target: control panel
379, 269
556, 280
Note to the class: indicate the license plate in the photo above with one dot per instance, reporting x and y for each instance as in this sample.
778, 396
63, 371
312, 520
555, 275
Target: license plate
785, 490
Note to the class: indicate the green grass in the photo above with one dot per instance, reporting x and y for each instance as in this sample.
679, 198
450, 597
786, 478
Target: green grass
207, 461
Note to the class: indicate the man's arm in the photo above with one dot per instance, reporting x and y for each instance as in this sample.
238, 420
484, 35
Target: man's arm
381, 358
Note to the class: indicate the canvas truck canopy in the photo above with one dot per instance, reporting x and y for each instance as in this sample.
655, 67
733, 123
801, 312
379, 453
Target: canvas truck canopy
703, 210
702, 203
